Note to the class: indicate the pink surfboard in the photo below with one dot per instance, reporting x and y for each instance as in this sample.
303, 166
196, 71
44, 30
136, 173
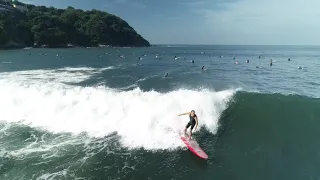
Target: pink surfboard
194, 147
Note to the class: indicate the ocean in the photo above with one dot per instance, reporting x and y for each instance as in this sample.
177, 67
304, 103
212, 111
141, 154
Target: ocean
111, 114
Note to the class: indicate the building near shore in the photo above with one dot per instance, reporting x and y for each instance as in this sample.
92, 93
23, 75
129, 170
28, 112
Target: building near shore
12, 3
20, 7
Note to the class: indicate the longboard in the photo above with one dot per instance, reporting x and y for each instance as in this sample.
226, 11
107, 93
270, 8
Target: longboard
194, 147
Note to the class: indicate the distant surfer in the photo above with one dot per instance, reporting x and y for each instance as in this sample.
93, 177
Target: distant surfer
166, 75
203, 69
192, 61
271, 62
192, 122
247, 61
289, 59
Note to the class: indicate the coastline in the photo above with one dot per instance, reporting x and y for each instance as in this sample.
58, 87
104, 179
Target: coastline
68, 47
44, 27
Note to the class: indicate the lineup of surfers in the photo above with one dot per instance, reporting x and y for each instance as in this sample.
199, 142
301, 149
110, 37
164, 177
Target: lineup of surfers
140, 58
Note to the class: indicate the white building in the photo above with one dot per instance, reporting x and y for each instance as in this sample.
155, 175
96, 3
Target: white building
21, 8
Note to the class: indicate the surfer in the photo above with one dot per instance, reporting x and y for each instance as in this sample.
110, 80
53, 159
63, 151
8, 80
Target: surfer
193, 121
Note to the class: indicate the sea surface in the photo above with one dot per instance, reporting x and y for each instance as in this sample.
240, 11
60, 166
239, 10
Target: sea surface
110, 114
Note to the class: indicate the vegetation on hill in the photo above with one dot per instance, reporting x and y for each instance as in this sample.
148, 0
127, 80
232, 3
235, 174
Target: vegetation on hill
51, 27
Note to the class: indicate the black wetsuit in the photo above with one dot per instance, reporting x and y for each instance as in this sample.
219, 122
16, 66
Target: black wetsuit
192, 122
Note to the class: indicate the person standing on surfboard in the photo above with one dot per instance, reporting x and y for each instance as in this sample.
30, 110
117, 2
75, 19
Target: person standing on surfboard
193, 121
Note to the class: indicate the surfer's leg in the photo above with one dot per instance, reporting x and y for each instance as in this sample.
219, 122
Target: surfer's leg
192, 126
187, 126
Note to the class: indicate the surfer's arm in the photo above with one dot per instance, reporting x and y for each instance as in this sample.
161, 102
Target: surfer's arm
187, 113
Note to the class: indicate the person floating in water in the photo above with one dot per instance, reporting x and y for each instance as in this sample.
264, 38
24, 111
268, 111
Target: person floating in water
192, 61
166, 75
202, 68
175, 58
247, 61
192, 122
271, 62
289, 59
260, 57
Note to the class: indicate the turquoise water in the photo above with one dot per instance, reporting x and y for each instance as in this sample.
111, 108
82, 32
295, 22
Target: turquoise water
90, 114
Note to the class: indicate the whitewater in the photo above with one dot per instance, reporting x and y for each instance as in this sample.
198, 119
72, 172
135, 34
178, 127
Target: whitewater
46, 100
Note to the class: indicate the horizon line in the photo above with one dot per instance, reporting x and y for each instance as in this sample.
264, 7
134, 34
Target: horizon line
161, 44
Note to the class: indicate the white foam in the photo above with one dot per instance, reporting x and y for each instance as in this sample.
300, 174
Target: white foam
63, 75
142, 119
57, 175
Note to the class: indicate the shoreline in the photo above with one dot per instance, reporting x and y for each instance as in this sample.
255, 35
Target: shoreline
76, 47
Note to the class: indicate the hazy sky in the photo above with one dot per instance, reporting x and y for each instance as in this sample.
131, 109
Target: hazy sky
266, 22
